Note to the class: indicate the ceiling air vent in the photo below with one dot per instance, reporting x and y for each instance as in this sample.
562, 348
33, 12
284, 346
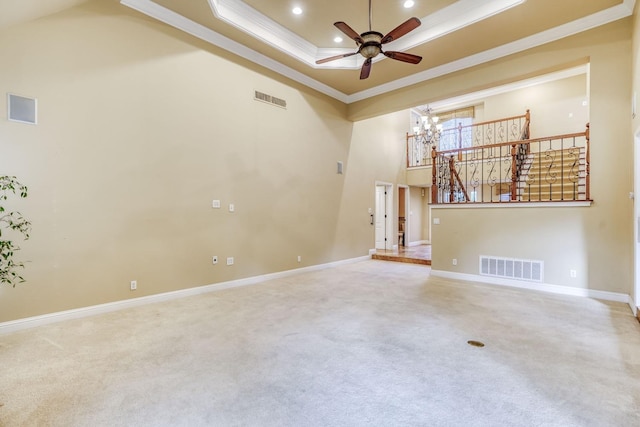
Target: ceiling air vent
260, 96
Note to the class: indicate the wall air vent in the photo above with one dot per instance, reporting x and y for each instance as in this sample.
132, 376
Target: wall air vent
260, 96
509, 268
22, 109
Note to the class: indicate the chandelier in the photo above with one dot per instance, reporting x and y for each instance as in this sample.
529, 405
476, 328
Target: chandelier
427, 129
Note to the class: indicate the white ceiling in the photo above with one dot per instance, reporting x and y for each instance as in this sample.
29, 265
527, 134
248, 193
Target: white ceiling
455, 34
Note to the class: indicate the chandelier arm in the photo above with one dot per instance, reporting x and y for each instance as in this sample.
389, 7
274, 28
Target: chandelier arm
427, 127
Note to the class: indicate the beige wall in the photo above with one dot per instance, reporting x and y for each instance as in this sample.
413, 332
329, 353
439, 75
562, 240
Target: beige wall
635, 53
418, 215
556, 106
596, 241
140, 128
557, 236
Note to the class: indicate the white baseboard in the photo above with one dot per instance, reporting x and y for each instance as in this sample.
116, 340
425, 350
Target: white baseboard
46, 319
534, 286
632, 304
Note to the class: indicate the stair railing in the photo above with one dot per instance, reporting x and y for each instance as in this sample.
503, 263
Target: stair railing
478, 134
546, 169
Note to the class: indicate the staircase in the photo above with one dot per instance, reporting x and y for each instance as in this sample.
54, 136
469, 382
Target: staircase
521, 169
553, 175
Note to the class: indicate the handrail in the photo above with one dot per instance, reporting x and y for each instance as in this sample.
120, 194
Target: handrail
477, 134
549, 168
490, 122
522, 141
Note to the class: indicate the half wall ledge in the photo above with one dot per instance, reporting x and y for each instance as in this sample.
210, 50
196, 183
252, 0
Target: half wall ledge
513, 205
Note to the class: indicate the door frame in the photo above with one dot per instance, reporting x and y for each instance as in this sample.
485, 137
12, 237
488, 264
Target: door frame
636, 222
407, 213
388, 225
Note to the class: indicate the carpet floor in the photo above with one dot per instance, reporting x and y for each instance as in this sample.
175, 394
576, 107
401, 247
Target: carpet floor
370, 343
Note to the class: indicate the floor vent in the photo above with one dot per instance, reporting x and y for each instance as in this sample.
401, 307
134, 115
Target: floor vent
260, 96
509, 268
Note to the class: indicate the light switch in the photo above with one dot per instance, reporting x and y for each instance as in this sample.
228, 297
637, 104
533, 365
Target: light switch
231, 207
216, 204
436, 221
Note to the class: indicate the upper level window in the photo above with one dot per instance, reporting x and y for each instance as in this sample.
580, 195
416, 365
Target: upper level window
456, 129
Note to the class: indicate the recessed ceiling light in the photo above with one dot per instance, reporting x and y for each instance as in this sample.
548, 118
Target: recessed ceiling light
297, 10
409, 3
338, 39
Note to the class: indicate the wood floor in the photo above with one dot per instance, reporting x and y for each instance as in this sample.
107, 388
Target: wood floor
409, 254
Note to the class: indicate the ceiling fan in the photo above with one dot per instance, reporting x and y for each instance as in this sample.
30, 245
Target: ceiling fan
370, 44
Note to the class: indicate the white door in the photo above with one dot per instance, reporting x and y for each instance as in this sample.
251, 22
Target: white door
381, 217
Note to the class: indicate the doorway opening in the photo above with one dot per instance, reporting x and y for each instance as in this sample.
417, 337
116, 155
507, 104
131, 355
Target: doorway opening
403, 215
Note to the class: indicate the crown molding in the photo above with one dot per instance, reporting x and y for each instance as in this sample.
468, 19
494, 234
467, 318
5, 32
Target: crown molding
474, 97
152, 9
179, 22
449, 19
452, 18
245, 18
604, 17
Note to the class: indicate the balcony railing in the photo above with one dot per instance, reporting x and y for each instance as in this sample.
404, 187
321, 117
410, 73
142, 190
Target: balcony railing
465, 137
530, 170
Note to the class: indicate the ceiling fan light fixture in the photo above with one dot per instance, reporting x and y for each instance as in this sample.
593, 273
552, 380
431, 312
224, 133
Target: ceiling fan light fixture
370, 51
370, 44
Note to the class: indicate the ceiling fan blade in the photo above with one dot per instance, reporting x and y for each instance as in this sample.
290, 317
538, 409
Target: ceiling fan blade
333, 58
402, 29
404, 57
348, 31
366, 69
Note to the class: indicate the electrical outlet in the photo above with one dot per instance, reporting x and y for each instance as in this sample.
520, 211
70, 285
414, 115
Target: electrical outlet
230, 261
299, 258
454, 261
134, 285
214, 259
573, 273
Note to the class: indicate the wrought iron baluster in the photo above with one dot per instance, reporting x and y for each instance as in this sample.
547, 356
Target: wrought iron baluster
550, 175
